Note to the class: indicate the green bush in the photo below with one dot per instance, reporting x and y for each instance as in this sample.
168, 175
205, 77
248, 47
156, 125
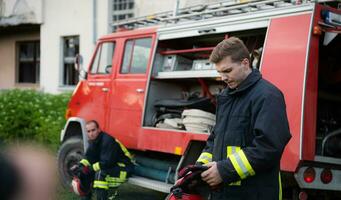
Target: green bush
29, 115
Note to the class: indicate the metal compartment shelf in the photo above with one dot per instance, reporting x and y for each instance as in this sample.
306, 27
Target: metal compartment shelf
187, 74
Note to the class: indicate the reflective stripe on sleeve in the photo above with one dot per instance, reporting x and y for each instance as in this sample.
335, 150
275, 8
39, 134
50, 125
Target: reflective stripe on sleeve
125, 150
85, 162
229, 151
205, 157
241, 164
96, 167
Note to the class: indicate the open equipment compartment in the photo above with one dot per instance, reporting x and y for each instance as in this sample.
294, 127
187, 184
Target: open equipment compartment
328, 138
183, 75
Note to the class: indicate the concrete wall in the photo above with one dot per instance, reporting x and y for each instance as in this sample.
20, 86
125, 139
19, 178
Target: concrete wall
8, 58
21, 11
62, 18
68, 18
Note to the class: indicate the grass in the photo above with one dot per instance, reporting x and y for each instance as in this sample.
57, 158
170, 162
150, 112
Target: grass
126, 192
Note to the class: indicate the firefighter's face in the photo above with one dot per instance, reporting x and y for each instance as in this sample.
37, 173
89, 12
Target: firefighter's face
93, 131
233, 73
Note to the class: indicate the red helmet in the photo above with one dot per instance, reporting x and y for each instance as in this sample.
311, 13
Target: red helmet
76, 187
186, 187
184, 196
81, 182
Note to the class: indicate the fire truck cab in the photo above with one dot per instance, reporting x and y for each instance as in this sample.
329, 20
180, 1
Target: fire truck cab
151, 86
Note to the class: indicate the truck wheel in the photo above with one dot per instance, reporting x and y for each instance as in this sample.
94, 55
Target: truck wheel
69, 154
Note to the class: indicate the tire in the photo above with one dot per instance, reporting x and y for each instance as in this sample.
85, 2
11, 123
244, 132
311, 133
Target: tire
69, 154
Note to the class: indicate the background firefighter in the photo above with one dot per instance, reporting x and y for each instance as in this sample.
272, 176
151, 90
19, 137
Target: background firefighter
243, 153
108, 161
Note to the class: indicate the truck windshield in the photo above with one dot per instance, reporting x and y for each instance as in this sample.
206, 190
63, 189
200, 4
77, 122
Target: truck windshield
103, 61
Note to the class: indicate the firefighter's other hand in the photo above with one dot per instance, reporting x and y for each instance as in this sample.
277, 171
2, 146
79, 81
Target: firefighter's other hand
212, 176
74, 169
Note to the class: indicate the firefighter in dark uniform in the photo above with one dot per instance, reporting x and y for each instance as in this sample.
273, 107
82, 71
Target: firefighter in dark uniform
244, 150
108, 159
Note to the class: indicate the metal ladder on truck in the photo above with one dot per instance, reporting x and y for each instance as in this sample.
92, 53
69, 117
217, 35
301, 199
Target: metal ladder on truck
206, 11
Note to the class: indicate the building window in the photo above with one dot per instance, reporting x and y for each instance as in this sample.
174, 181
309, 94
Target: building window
70, 50
122, 9
136, 56
28, 62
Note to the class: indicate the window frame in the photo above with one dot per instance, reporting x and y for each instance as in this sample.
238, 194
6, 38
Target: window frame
63, 63
132, 53
93, 59
36, 60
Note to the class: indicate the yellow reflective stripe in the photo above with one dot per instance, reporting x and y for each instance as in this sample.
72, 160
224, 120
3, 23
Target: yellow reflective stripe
123, 175
246, 163
241, 164
229, 151
124, 149
116, 181
236, 166
205, 157
85, 162
280, 186
232, 149
96, 167
101, 184
121, 164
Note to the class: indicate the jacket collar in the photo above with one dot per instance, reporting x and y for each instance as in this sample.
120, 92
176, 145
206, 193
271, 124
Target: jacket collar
250, 80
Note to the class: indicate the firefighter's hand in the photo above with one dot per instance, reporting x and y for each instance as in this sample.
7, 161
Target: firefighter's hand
75, 169
211, 176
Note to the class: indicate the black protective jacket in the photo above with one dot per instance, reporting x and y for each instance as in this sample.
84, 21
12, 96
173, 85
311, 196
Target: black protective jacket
108, 152
248, 140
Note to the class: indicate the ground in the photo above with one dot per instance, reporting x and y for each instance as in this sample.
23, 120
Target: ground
126, 192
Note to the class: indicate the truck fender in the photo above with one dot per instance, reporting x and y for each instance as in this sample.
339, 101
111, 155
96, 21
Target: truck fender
75, 126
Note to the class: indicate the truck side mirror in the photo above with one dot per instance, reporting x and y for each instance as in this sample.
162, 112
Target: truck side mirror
78, 62
78, 67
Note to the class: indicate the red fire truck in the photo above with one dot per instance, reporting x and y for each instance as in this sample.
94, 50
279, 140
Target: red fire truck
143, 78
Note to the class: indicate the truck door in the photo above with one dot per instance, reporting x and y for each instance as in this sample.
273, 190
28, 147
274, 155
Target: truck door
99, 83
127, 100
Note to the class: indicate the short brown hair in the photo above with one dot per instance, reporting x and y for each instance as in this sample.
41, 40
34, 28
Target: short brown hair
93, 121
233, 47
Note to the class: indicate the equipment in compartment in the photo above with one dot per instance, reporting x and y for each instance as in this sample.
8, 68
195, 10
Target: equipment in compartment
196, 120
169, 113
176, 63
203, 65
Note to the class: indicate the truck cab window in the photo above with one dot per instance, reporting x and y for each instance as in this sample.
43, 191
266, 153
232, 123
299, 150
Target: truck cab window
136, 56
103, 60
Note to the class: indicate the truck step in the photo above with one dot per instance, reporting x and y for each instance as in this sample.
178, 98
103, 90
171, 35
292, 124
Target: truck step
150, 184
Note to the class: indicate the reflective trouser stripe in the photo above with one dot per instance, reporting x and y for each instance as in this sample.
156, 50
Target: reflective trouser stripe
116, 181
241, 164
205, 157
96, 167
231, 150
85, 162
101, 185
280, 186
121, 164
125, 150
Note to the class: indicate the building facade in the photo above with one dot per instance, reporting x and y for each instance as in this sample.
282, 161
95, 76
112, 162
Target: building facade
39, 39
